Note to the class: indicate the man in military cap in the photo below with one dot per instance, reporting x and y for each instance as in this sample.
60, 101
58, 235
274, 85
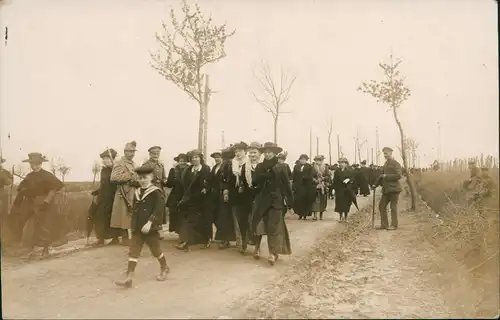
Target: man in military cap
146, 222
5, 180
159, 174
123, 174
391, 188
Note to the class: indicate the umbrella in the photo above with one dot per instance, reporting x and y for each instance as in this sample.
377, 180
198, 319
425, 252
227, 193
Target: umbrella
353, 197
90, 219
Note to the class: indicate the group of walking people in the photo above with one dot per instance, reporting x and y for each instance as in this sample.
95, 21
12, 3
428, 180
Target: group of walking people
245, 195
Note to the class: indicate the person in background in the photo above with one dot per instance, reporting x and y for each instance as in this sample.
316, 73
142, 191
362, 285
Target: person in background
105, 197
6, 179
36, 199
355, 172
391, 188
176, 192
343, 179
363, 178
146, 222
303, 187
124, 176
321, 180
281, 160
272, 185
215, 192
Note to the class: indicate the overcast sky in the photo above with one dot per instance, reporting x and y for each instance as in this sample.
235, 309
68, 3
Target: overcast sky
75, 77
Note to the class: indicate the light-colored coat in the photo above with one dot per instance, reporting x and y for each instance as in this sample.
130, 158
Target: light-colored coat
123, 172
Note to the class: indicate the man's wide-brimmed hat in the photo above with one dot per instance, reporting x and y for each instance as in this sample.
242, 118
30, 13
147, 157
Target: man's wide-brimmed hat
319, 158
343, 160
130, 146
36, 157
181, 156
240, 145
216, 154
273, 147
153, 148
304, 156
109, 153
227, 153
254, 145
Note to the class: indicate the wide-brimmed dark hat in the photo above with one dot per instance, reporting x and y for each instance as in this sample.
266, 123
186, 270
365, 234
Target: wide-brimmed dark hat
144, 169
109, 153
271, 146
216, 154
387, 149
240, 145
343, 160
130, 146
304, 156
254, 145
36, 157
283, 155
319, 157
181, 156
154, 148
194, 152
227, 153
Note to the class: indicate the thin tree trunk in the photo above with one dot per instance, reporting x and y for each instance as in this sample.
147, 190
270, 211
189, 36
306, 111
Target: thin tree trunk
409, 176
330, 148
276, 129
200, 128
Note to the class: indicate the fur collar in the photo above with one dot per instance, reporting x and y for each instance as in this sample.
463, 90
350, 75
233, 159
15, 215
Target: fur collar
147, 192
236, 168
248, 171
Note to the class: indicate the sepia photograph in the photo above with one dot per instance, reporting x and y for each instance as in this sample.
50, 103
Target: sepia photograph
249, 159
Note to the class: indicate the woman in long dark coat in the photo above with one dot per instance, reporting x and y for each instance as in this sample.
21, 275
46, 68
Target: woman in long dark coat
195, 201
215, 192
303, 187
273, 191
250, 191
176, 192
36, 199
233, 188
343, 180
225, 223
105, 197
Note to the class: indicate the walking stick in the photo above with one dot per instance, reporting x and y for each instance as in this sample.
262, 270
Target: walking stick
373, 208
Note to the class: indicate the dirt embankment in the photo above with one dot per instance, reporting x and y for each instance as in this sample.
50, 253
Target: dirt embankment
366, 273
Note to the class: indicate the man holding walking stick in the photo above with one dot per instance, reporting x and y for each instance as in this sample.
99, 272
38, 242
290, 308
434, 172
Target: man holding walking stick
391, 188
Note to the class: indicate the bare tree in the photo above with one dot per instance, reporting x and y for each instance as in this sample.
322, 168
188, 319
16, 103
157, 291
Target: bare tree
63, 171
275, 93
392, 92
96, 168
186, 47
54, 166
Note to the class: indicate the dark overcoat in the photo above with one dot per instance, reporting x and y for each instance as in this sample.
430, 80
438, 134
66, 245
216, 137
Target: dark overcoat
363, 176
225, 223
304, 189
267, 218
104, 205
194, 205
176, 192
343, 191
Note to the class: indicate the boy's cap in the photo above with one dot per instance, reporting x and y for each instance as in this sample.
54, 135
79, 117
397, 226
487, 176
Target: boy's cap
144, 169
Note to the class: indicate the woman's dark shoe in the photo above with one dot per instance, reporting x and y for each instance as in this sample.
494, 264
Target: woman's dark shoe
315, 216
207, 245
224, 245
183, 246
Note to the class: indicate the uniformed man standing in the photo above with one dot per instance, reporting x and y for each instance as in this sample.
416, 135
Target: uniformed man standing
391, 188
124, 175
159, 174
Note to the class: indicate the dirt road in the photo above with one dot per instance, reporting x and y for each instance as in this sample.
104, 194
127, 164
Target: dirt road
202, 283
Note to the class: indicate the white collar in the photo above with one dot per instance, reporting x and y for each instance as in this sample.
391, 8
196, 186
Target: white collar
147, 191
